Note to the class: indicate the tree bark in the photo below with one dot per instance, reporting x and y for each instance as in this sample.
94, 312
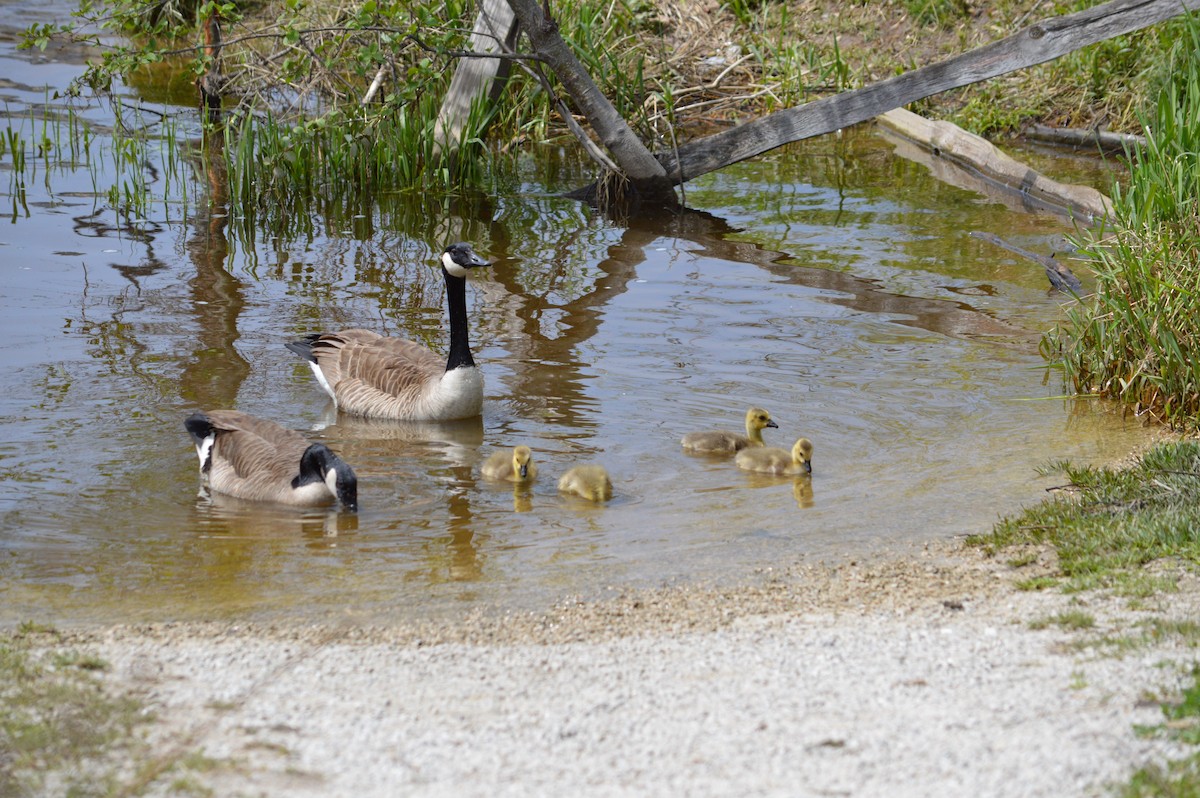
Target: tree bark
1041, 42
638, 163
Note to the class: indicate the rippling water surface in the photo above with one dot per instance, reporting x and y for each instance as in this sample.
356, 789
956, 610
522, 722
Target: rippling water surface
833, 283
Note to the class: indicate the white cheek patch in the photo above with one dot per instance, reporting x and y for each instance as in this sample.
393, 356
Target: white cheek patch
331, 481
452, 267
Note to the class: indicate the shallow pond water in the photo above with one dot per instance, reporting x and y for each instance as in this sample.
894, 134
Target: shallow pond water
833, 283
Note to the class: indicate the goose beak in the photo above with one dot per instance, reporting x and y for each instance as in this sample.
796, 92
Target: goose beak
772, 424
462, 254
808, 467
523, 470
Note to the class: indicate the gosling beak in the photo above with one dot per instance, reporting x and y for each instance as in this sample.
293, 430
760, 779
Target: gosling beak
523, 470
772, 424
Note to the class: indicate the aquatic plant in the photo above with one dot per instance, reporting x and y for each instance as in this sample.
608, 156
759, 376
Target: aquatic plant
1137, 338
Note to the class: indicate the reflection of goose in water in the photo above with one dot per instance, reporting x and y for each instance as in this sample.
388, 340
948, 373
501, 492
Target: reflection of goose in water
514, 466
231, 518
772, 460
255, 459
466, 432
721, 442
372, 376
589, 482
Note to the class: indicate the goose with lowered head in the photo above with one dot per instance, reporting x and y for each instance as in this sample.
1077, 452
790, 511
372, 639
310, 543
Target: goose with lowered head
722, 442
252, 458
373, 376
772, 460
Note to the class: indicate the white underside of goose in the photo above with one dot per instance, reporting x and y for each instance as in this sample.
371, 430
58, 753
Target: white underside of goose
458, 394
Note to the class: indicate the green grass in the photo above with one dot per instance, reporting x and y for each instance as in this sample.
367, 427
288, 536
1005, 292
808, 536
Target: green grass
1179, 779
65, 731
1119, 521
1136, 339
1075, 620
58, 726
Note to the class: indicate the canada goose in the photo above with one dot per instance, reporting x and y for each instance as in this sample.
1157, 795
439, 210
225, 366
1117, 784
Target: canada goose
589, 482
772, 460
721, 442
255, 459
515, 466
392, 378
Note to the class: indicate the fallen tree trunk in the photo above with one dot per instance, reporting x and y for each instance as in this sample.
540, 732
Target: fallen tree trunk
631, 155
1041, 42
966, 150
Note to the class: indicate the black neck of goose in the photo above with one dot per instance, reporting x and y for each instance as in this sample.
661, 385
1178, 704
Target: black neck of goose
456, 299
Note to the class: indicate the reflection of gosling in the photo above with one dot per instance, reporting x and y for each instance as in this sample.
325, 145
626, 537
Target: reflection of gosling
771, 460
515, 467
720, 442
802, 492
590, 482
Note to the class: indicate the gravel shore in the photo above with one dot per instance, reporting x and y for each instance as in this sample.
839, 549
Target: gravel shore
924, 675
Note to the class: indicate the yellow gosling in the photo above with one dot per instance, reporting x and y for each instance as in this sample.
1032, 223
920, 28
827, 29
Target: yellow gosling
772, 460
721, 442
589, 482
514, 466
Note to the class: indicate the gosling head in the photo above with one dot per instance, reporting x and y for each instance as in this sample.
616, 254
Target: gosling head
759, 419
802, 454
459, 258
522, 457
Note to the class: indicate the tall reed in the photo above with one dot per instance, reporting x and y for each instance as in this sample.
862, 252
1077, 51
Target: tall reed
348, 154
1138, 338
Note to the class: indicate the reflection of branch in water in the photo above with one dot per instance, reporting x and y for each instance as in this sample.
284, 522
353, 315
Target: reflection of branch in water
215, 372
548, 377
945, 317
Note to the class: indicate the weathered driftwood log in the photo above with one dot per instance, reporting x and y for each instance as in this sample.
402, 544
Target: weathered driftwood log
476, 78
1060, 276
949, 141
1041, 42
1090, 139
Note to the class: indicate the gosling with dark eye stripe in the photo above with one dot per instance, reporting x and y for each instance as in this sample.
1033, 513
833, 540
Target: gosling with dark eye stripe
256, 459
371, 376
721, 442
772, 460
514, 466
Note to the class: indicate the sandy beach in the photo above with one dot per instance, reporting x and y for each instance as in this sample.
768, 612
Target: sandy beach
922, 675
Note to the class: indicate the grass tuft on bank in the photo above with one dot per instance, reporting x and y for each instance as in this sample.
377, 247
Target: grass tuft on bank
1136, 339
60, 732
1110, 522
